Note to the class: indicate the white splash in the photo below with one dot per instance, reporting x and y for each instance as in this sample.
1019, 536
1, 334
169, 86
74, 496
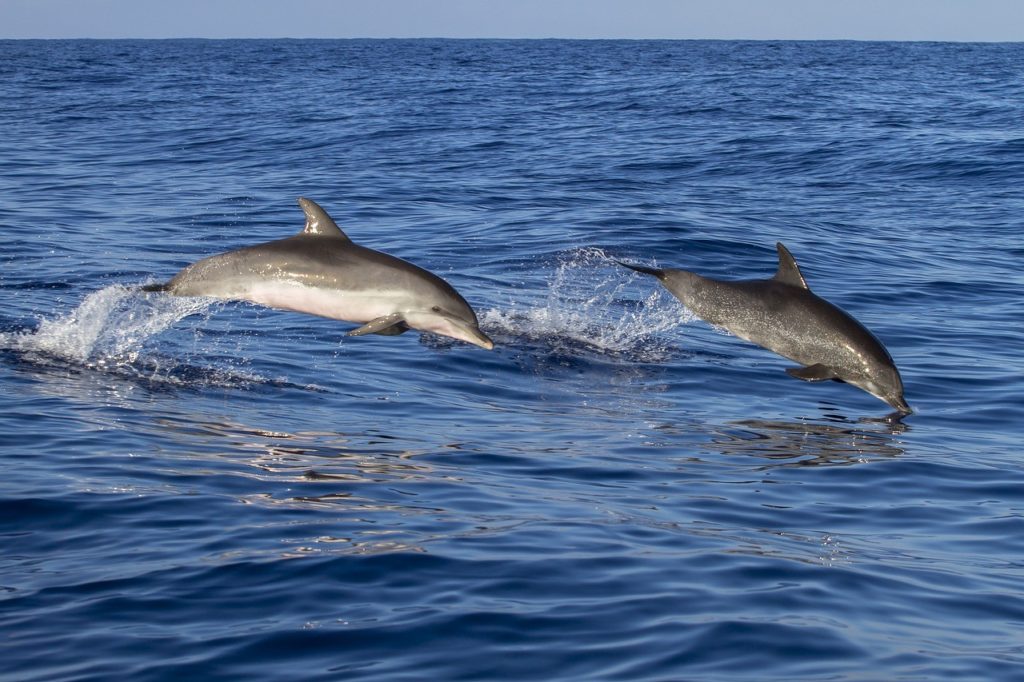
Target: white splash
108, 328
592, 303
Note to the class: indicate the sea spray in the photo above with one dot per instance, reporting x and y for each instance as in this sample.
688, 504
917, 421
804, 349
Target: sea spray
113, 331
592, 306
108, 328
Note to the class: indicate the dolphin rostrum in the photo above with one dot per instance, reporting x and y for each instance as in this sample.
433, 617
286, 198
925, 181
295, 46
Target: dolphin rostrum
322, 272
784, 316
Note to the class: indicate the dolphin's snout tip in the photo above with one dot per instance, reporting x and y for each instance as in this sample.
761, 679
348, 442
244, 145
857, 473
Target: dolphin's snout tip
468, 332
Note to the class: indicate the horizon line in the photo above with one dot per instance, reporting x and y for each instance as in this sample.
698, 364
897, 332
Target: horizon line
536, 39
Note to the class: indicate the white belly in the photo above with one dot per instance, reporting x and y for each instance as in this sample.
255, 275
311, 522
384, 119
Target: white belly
358, 306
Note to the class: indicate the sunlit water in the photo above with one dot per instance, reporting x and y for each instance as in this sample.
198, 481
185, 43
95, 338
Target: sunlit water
196, 489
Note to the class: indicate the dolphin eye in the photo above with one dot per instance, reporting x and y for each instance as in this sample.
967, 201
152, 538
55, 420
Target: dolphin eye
436, 309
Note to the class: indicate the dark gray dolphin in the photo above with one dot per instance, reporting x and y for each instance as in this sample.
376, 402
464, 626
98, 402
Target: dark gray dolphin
322, 272
784, 316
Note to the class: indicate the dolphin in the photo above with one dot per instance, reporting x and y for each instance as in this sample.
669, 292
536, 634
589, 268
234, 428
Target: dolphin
783, 315
322, 272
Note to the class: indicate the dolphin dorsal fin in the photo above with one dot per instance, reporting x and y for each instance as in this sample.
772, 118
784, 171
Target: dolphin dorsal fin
318, 222
789, 271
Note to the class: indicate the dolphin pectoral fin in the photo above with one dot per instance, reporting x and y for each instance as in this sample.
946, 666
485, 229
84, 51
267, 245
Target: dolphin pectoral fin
388, 325
394, 330
816, 372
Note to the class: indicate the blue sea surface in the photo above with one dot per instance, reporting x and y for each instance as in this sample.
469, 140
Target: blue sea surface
202, 490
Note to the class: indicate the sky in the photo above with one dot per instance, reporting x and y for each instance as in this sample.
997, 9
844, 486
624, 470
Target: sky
955, 20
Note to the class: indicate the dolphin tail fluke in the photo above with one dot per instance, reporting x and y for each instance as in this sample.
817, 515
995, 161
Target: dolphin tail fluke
657, 272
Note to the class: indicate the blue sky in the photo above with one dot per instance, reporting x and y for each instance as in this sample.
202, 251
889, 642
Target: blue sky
973, 20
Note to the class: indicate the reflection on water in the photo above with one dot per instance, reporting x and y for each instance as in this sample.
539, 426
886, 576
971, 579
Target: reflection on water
366, 482
816, 548
809, 443
306, 456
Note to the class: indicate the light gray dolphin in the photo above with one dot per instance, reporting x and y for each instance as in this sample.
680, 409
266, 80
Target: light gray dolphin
322, 272
784, 316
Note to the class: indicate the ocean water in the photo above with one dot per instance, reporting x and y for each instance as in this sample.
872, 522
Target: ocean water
618, 491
